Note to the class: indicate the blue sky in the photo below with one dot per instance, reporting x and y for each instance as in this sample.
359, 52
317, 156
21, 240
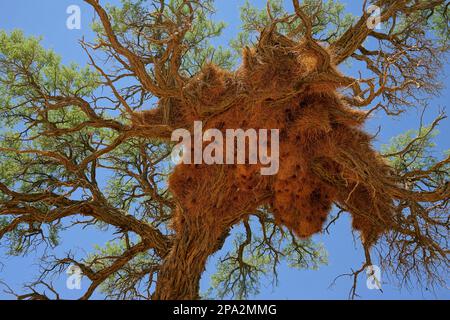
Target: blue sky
48, 19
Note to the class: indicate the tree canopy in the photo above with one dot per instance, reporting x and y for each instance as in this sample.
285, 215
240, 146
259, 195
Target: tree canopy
89, 145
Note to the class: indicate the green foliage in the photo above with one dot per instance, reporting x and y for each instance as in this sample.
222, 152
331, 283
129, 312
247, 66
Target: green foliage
415, 150
29, 70
134, 274
197, 40
249, 264
419, 154
440, 24
434, 21
331, 21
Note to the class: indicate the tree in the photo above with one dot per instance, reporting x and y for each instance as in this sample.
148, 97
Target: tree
152, 70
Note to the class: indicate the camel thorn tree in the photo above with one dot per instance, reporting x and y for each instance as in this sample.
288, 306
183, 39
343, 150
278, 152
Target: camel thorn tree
152, 70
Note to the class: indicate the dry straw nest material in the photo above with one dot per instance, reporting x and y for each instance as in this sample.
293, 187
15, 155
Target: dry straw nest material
325, 156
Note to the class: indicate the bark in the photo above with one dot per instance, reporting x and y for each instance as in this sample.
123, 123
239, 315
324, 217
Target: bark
180, 273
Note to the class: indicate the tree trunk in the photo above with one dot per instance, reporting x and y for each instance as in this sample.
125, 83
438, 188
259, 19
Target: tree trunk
179, 277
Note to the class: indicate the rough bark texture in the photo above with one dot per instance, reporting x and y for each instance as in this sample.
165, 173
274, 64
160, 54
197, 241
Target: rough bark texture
179, 277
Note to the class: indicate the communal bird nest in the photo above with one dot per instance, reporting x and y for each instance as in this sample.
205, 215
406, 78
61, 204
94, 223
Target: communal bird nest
325, 156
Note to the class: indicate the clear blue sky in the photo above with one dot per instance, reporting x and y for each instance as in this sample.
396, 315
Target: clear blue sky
48, 18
